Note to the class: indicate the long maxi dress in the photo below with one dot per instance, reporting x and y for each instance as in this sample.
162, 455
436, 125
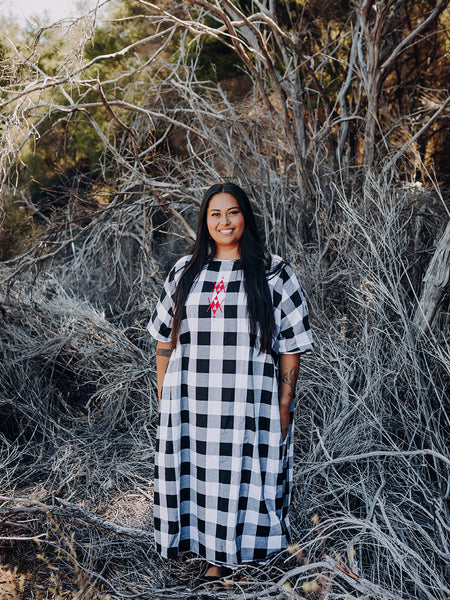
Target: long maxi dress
223, 474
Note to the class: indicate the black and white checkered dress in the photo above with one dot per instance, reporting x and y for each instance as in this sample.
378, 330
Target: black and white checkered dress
223, 474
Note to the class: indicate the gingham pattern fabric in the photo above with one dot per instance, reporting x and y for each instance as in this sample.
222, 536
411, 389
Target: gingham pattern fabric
222, 472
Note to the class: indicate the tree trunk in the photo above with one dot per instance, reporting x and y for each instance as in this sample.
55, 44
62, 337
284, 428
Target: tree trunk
374, 18
435, 284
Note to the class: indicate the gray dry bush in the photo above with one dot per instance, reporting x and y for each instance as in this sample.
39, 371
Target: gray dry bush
77, 400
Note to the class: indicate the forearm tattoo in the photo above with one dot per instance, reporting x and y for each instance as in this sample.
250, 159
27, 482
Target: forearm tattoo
163, 352
290, 379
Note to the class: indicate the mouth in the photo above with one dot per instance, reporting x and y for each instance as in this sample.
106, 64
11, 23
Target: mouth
226, 231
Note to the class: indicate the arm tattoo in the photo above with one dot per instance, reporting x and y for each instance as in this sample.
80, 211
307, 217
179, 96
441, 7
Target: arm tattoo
290, 379
163, 352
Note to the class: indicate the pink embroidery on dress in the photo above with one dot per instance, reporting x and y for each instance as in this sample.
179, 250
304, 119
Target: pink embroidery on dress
218, 299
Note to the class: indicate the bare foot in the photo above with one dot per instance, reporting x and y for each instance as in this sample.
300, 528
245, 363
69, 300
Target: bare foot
214, 571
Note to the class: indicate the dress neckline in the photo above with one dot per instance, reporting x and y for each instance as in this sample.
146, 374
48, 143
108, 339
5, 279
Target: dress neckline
226, 264
229, 260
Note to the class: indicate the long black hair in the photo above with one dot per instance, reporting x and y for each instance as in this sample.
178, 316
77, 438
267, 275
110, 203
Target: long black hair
255, 261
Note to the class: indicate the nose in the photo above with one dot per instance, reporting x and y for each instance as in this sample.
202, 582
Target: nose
225, 219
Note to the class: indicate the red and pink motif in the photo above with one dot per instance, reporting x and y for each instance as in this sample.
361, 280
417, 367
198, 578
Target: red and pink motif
218, 299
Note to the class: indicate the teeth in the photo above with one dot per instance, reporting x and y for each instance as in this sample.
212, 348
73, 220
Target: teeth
226, 231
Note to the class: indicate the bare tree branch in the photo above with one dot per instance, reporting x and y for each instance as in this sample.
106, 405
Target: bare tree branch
70, 511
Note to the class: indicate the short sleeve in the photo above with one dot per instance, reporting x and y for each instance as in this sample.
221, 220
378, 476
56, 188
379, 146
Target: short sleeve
160, 324
294, 334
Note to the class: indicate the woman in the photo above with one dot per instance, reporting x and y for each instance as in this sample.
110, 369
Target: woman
230, 325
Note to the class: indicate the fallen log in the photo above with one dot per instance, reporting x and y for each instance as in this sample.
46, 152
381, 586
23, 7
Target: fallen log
435, 284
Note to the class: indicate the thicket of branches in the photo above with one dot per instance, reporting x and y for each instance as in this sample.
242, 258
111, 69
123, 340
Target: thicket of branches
111, 131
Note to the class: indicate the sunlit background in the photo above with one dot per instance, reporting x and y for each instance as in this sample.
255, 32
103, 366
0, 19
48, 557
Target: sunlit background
44, 10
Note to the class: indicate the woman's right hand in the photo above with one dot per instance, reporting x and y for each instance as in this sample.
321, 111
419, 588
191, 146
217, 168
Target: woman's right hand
163, 352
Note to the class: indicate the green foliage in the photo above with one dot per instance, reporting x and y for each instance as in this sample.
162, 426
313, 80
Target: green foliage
50, 58
65, 141
63, 147
294, 13
216, 62
129, 25
18, 231
107, 40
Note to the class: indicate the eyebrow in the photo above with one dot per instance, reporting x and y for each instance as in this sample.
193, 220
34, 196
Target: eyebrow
231, 208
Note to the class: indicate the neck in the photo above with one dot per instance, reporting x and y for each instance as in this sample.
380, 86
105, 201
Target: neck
227, 253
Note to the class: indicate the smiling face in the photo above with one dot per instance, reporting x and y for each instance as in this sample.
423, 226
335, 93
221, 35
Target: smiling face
226, 224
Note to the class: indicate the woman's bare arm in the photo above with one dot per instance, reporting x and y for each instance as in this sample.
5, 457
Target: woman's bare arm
163, 352
289, 367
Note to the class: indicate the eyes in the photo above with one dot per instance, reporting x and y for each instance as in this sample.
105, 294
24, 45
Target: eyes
216, 214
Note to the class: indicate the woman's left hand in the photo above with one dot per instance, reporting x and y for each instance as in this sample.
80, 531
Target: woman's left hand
289, 367
284, 432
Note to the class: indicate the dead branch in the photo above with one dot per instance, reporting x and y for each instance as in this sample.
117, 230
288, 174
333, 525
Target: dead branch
407, 41
436, 115
69, 511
